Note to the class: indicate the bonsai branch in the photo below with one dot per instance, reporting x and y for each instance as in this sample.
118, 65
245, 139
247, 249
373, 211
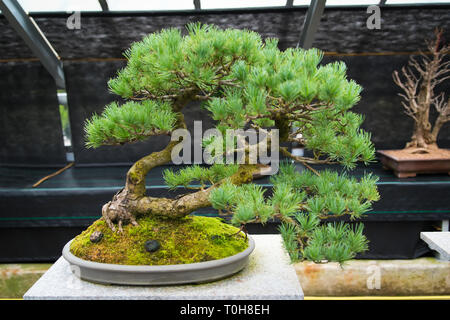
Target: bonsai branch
126, 206
305, 160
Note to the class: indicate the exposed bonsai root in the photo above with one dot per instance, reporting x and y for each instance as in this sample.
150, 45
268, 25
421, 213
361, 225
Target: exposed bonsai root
126, 205
418, 151
421, 149
117, 211
241, 229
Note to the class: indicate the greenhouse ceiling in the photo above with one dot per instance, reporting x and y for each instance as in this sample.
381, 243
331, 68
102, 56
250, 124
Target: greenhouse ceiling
32, 6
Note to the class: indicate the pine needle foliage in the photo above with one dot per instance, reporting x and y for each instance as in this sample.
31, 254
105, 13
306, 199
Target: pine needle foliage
242, 79
166, 63
335, 242
245, 81
133, 121
202, 175
302, 200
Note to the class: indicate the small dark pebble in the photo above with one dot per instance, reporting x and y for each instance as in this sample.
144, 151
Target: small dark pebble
152, 245
96, 236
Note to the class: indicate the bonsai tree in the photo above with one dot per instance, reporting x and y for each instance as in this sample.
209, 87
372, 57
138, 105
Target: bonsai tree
418, 82
244, 82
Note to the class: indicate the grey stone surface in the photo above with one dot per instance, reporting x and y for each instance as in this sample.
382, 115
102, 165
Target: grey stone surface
269, 275
438, 241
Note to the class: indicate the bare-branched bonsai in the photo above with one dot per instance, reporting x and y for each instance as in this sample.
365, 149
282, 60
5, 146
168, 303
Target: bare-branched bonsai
244, 82
418, 82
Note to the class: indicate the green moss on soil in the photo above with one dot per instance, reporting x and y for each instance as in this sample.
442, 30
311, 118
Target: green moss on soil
187, 240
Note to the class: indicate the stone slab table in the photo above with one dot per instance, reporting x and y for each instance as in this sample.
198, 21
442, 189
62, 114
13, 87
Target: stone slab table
439, 242
268, 276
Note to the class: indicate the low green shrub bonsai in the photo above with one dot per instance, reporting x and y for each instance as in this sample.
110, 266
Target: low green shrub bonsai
244, 82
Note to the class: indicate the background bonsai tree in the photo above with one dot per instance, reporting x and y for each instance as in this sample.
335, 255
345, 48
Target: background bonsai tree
244, 82
418, 82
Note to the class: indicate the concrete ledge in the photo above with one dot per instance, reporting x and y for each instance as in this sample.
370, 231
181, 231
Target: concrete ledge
423, 276
269, 275
438, 241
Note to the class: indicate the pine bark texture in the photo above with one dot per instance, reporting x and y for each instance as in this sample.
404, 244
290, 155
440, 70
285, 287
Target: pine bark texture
132, 201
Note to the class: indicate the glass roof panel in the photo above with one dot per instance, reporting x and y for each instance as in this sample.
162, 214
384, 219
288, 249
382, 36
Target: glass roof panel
60, 5
416, 1
351, 2
153, 5
221, 4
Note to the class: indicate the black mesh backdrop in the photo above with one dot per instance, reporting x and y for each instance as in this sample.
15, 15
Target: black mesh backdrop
92, 55
341, 30
380, 104
88, 94
30, 127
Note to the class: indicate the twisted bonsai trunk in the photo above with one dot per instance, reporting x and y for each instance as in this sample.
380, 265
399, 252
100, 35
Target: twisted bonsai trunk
123, 207
132, 201
422, 137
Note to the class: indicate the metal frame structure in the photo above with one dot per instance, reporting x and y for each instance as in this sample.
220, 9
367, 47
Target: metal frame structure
104, 5
311, 23
34, 38
37, 42
29, 31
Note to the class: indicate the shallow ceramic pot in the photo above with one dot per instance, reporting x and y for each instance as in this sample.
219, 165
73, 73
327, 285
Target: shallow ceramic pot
200, 272
406, 168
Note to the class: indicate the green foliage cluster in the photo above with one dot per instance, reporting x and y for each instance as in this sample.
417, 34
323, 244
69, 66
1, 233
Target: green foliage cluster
339, 139
244, 81
330, 193
133, 121
327, 242
166, 63
314, 98
301, 200
203, 175
246, 203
